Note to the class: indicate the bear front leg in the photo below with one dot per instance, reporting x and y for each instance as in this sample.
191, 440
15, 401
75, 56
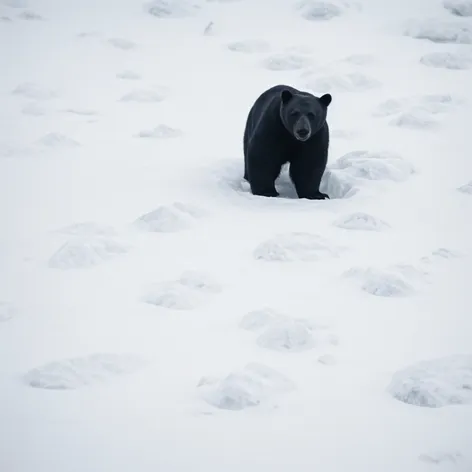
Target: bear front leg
307, 180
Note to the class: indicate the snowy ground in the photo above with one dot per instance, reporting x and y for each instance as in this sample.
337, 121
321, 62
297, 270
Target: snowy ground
155, 316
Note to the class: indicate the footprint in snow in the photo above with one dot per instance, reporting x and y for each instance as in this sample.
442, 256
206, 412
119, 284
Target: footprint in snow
86, 251
440, 31
466, 188
34, 91
434, 383
144, 96
249, 46
30, 16
165, 9
279, 332
81, 111
394, 281
188, 292
161, 132
120, 43
458, 7
421, 112
169, 219
7, 311
284, 62
361, 221
254, 385
79, 372
447, 60
128, 75
437, 458
295, 247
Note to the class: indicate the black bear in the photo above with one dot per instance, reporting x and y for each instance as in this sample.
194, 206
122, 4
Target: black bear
287, 125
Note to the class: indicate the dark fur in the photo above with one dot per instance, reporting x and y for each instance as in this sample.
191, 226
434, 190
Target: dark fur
276, 123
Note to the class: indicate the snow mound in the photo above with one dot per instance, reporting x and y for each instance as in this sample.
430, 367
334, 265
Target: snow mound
435, 383
283, 62
128, 75
189, 291
86, 251
361, 221
161, 132
287, 336
254, 385
7, 311
439, 31
369, 165
296, 246
353, 82
121, 43
259, 319
466, 188
313, 10
172, 8
419, 112
459, 7
447, 60
58, 141
168, 219
144, 96
336, 184
249, 46
34, 91
394, 281
78, 372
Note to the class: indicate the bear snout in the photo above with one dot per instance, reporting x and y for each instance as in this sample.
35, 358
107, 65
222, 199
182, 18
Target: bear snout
302, 129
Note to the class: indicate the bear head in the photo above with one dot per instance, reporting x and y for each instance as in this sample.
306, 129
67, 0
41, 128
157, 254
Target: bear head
303, 114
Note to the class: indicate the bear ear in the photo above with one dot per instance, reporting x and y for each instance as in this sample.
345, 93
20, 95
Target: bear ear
286, 96
326, 99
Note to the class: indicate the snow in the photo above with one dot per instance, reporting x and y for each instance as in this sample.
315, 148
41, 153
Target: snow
154, 315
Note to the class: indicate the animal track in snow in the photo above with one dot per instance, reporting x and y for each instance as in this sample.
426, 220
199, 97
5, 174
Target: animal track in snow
286, 62
434, 383
295, 247
447, 60
249, 46
161, 132
34, 91
369, 165
121, 43
81, 111
466, 188
417, 112
86, 251
172, 8
361, 221
58, 141
313, 10
254, 385
7, 311
352, 82
168, 219
458, 7
128, 75
393, 281
440, 31
145, 96
188, 292
437, 458
78, 372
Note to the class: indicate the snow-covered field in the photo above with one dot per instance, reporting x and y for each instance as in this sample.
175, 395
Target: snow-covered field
155, 316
